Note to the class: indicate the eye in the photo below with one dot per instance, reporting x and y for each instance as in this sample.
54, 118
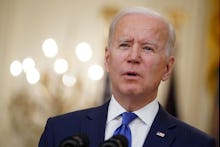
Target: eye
124, 45
147, 48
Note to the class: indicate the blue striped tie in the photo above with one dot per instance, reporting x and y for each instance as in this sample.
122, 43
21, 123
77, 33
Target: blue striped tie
124, 129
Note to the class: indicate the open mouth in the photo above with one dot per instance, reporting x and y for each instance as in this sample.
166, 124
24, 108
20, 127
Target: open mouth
132, 74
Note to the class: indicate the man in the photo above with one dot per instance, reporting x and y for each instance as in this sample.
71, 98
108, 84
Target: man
137, 59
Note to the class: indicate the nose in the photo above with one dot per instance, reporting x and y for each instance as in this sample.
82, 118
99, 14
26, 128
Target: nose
134, 55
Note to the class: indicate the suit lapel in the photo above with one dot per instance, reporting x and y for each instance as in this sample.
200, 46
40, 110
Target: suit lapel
161, 134
162, 130
94, 124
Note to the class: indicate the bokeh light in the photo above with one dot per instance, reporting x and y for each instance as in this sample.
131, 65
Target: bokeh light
32, 76
28, 64
69, 80
83, 51
16, 68
60, 66
95, 72
50, 48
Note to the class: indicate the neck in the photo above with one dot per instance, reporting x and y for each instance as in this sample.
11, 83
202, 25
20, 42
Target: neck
133, 103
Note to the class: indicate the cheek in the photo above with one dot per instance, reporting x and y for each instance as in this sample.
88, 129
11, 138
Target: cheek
155, 66
110, 62
116, 59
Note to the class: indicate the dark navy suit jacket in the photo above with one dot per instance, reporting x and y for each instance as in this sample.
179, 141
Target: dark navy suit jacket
92, 123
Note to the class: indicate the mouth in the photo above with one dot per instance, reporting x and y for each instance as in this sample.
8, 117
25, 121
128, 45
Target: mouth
131, 74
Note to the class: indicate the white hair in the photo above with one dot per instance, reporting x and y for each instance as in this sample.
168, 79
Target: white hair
145, 11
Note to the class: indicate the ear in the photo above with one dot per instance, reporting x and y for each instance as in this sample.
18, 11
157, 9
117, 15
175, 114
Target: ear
169, 68
107, 54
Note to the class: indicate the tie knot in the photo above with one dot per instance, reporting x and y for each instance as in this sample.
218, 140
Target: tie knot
127, 117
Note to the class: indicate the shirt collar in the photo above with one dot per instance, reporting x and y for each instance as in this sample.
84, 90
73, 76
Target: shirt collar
145, 114
148, 112
114, 109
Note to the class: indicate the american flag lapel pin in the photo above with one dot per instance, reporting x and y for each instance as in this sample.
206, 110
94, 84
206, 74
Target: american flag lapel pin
161, 134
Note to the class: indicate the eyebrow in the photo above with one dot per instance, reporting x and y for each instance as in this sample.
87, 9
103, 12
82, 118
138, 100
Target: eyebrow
152, 43
143, 42
125, 40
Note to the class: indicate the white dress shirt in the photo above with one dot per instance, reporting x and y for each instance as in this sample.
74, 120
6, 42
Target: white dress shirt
139, 126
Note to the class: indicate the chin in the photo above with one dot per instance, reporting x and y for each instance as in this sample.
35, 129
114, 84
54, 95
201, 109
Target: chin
131, 91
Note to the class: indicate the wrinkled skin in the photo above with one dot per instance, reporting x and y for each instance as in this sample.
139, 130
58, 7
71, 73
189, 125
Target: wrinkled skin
137, 59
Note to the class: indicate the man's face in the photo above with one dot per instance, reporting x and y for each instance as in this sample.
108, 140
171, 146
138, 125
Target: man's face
137, 60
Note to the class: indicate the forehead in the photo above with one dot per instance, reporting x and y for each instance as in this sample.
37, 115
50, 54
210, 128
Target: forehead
142, 21
141, 26
142, 16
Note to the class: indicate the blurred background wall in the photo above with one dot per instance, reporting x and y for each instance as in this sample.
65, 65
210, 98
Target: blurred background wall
52, 52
